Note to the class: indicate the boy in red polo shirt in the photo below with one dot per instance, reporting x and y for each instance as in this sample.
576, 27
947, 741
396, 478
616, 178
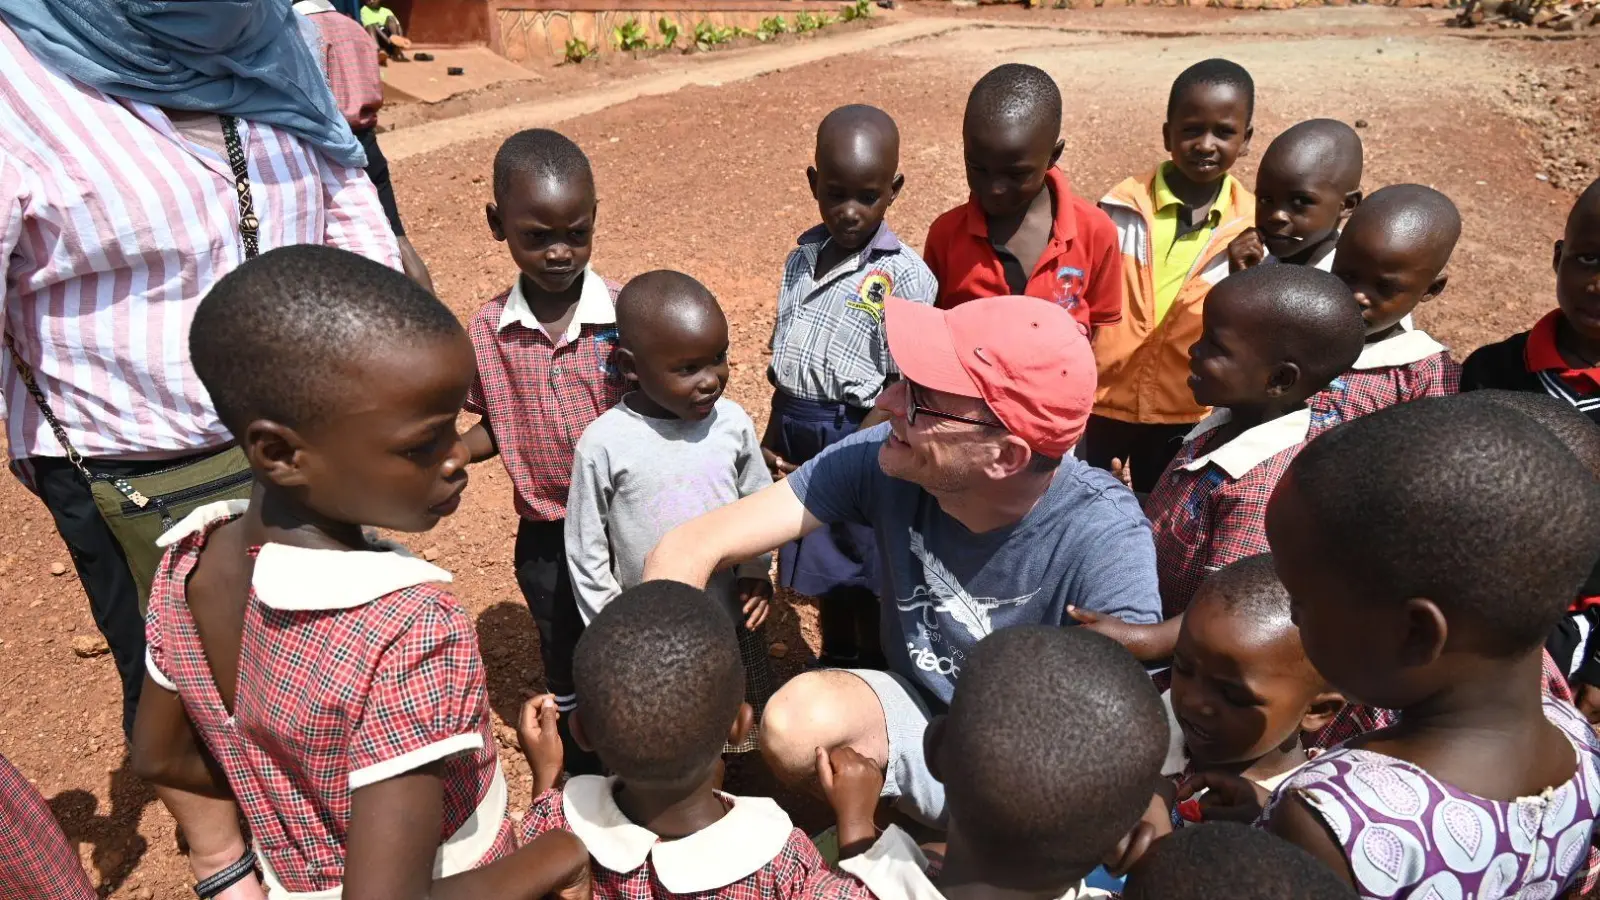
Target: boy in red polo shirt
545, 371
1560, 356
1023, 231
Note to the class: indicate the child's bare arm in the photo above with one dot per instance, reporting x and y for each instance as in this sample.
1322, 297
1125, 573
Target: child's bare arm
394, 835
480, 441
1293, 821
165, 750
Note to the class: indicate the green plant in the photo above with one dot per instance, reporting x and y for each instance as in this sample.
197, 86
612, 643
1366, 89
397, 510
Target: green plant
630, 35
772, 26
804, 22
707, 35
669, 32
578, 50
824, 20
861, 9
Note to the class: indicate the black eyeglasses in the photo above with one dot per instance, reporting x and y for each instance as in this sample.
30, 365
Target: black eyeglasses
915, 408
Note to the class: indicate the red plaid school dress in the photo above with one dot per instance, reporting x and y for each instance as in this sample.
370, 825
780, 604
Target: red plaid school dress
1209, 508
1406, 367
353, 669
36, 862
752, 853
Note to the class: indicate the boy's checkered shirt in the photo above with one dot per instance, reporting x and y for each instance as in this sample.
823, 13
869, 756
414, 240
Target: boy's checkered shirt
1406, 367
829, 343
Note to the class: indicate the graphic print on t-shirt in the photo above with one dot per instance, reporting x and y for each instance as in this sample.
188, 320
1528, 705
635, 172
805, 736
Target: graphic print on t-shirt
941, 598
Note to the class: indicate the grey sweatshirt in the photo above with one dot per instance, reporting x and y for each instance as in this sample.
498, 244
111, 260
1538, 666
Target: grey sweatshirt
635, 478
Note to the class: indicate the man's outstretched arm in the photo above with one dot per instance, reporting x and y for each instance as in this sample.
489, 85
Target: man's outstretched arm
761, 522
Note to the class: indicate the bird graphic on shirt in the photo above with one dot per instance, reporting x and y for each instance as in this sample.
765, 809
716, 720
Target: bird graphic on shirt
943, 593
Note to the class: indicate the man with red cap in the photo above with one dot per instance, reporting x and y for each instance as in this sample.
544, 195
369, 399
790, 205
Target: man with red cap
984, 520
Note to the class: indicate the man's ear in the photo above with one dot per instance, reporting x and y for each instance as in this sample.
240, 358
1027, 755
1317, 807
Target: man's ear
1427, 631
276, 452
932, 740
742, 723
1349, 204
492, 214
1555, 262
1013, 457
811, 179
1283, 379
1055, 155
1321, 710
627, 365
575, 725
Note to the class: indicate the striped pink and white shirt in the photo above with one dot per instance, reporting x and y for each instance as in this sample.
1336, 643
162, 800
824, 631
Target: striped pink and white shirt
113, 225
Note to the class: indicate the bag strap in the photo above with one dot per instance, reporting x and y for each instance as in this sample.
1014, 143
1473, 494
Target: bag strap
249, 237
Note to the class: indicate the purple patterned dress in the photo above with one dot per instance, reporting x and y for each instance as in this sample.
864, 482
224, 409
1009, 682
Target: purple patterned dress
1407, 834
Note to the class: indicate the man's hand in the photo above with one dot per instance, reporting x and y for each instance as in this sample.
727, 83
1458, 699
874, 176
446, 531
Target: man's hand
1246, 251
1148, 643
755, 599
1227, 798
541, 743
776, 464
852, 784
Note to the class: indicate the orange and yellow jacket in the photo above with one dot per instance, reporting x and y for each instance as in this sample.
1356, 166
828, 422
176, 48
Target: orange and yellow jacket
1144, 363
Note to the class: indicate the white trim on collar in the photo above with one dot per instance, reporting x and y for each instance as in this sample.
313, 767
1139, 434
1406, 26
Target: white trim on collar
1403, 349
894, 868
739, 844
594, 307
1253, 447
312, 7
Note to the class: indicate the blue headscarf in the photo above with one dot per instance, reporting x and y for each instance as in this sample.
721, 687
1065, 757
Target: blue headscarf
243, 58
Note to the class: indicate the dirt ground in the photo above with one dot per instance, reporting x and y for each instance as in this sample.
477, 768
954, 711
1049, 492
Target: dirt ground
710, 179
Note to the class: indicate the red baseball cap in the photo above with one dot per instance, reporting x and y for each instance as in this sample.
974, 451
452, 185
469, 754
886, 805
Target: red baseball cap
1025, 357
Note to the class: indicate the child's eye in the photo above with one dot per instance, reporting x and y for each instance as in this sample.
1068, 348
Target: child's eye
869, 199
578, 235
1236, 697
1590, 259
421, 451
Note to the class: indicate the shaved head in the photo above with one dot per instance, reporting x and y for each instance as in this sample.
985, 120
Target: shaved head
864, 134
1409, 218
663, 302
1587, 209
1326, 148
1014, 95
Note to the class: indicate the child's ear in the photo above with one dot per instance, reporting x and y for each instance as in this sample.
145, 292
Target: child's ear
1437, 287
1321, 710
1351, 201
492, 213
1249, 133
1426, 632
1055, 155
276, 452
811, 179
742, 723
575, 725
1555, 263
896, 186
932, 740
627, 365
1283, 379
1166, 136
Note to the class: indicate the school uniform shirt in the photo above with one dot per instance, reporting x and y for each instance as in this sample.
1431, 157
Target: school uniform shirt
36, 862
635, 478
829, 343
1176, 245
1209, 508
1530, 362
1408, 366
895, 868
538, 392
354, 667
752, 853
1080, 268
1085, 543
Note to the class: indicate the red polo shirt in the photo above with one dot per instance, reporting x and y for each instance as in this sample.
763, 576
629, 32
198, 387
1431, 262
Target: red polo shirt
1541, 354
1080, 268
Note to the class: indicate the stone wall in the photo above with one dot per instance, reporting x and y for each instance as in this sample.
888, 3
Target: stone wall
538, 30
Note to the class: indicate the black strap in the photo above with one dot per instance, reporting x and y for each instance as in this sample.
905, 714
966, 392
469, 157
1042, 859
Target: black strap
240, 869
249, 225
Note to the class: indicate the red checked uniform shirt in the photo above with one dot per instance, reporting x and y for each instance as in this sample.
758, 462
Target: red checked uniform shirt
354, 668
35, 859
1209, 508
1080, 268
752, 853
538, 395
1408, 366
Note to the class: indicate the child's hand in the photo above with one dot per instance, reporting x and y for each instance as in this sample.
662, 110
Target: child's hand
1246, 250
1122, 472
852, 784
1141, 640
1155, 824
776, 464
755, 598
541, 743
1227, 798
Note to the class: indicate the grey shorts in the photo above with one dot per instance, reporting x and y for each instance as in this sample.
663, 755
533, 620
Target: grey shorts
914, 789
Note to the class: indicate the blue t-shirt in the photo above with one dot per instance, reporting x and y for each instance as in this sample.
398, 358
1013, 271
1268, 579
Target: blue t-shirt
1084, 544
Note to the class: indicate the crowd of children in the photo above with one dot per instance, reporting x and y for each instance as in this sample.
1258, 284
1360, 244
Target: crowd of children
1377, 568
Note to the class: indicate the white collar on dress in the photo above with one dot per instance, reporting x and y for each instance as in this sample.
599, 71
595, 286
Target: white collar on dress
594, 307
1403, 349
311, 7
1253, 447
736, 846
297, 578
894, 868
